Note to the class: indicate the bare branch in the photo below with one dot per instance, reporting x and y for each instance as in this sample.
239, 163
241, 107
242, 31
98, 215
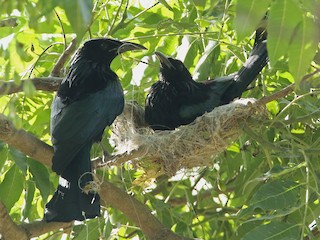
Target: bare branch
38, 228
56, 71
49, 84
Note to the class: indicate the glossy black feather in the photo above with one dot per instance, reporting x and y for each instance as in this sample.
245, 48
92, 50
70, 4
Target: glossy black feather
176, 99
88, 100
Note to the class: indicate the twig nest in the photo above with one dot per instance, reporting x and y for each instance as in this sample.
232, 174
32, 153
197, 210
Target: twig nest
188, 146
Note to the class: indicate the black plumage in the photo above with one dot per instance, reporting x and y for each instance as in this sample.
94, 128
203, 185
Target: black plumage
176, 99
88, 100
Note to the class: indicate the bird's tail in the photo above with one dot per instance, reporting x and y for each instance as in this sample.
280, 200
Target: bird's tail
251, 68
70, 202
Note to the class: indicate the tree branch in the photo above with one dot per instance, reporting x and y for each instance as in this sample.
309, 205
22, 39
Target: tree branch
56, 71
137, 212
25, 142
49, 84
8, 228
282, 93
38, 228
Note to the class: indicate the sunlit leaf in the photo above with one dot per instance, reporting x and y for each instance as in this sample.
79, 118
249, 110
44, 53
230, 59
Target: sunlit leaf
204, 65
303, 48
273, 107
11, 187
249, 13
29, 88
91, 229
164, 2
281, 26
79, 13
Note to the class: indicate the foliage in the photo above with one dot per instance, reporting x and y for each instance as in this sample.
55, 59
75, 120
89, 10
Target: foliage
265, 185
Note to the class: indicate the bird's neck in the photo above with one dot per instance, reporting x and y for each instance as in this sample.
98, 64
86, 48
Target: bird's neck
85, 77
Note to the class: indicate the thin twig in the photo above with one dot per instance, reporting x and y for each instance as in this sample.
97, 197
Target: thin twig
115, 18
282, 93
56, 71
62, 28
40, 55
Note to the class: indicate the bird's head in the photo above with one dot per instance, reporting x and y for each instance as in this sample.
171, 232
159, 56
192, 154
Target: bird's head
172, 70
106, 49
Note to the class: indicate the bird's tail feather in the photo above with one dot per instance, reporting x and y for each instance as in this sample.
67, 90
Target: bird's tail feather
251, 68
70, 202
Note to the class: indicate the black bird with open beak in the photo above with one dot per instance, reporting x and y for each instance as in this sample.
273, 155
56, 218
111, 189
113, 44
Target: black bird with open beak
88, 100
176, 99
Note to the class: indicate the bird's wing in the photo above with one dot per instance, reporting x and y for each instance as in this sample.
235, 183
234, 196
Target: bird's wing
205, 98
79, 123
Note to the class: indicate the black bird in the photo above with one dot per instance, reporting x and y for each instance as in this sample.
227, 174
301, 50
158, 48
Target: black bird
89, 98
176, 99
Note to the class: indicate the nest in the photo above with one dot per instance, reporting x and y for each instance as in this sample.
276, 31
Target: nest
188, 146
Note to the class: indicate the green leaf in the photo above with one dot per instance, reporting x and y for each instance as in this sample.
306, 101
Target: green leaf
41, 176
11, 187
313, 6
79, 13
204, 65
189, 53
249, 13
22, 51
273, 107
283, 19
200, 4
303, 48
30, 189
108, 229
19, 158
275, 195
29, 89
274, 231
91, 228
3, 154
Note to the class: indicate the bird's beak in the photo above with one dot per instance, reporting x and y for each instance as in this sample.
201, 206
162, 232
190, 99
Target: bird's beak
129, 46
164, 60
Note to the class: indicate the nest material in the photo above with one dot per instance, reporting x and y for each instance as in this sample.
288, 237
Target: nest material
188, 146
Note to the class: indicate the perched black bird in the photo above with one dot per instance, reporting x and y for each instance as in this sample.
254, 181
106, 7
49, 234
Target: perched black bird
89, 98
176, 99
